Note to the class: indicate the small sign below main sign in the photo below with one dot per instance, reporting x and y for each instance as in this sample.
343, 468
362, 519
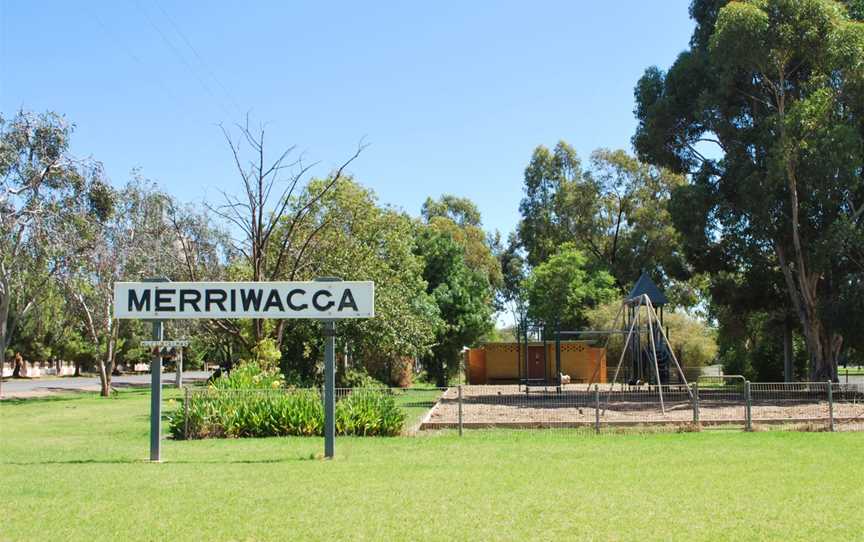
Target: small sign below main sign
195, 300
165, 344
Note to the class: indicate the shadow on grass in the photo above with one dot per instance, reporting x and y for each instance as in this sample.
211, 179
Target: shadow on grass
69, 394
58, 395
418, 404
307, 457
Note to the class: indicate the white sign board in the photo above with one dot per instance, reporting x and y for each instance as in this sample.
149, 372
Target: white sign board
189, 300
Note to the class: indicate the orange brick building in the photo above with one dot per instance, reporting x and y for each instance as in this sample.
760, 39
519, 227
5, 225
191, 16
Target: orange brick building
503, 363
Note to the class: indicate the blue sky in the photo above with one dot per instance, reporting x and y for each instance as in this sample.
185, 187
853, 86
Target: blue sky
452, 97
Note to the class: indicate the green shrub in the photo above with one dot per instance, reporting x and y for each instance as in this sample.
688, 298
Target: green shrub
369, 413
235, 413
358, 378
266, 354
248, 376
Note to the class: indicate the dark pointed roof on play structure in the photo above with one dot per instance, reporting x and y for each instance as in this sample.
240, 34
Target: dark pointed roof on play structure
646, 286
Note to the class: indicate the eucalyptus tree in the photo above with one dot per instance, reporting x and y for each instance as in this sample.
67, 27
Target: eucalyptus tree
514, 270
462, 211
562, 290
460, 219
119, 242
547, 177
199, 250
616, 210
776, 87
462, 295
39, 182
363, 241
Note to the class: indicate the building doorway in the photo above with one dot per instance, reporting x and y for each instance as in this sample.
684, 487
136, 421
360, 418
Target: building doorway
536, 363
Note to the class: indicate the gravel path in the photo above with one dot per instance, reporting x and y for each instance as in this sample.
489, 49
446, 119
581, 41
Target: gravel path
40, 387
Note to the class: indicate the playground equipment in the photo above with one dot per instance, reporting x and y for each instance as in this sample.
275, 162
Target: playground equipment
647, 350
647, 343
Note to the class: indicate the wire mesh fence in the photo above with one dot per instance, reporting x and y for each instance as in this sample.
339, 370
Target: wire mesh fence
804, 405
848, 406
725, 404
720, 404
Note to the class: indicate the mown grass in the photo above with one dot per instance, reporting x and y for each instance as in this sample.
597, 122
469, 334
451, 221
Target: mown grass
74, 468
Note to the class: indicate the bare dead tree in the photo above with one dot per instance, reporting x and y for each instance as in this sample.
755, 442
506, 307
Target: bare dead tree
273, 211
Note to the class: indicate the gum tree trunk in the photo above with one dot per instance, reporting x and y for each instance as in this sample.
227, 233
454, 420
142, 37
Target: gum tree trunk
802, 280
823, 345
788, 361
4, 331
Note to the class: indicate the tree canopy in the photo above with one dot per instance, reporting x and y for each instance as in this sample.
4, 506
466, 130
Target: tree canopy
616, 211
463, 298
365, 241
562, 290
777, 88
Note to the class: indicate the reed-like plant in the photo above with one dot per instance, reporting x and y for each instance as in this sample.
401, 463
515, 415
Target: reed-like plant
263, 408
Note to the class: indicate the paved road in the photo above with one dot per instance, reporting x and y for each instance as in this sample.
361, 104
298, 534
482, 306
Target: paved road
44, 386
853, 379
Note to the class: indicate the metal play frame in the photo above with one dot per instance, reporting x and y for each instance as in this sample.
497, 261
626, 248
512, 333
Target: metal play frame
634, 306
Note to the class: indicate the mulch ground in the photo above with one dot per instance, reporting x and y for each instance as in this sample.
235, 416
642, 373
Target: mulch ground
506, 406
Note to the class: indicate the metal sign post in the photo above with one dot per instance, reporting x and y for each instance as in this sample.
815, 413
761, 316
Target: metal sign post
155, 381
329, 388
158, 343
329, 380
178, 369
156, 396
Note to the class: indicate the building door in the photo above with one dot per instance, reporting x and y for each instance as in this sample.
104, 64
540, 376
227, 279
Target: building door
536, 363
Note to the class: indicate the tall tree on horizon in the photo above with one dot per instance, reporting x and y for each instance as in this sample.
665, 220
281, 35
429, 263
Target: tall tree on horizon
615, 211
463, 297
117, 241
39, 182
777, 87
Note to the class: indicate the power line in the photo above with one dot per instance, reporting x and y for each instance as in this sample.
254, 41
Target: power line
200, 58
128, 50
177, 53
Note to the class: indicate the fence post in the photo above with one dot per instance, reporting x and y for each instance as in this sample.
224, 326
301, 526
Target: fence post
696, 402
596, 409
186, 413
748, 414
831, 405
460, 410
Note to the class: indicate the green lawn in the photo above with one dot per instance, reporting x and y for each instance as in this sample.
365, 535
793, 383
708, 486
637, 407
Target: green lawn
73, 468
